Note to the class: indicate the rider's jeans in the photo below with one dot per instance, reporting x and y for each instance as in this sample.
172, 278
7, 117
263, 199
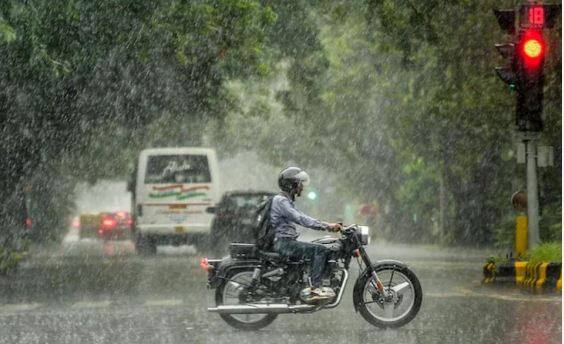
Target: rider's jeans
318, 255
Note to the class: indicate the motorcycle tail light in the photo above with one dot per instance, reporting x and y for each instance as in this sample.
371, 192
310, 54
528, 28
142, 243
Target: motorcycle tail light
356, 253
205, 265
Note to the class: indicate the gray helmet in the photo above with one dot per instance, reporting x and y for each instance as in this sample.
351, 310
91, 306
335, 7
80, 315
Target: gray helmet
291, 177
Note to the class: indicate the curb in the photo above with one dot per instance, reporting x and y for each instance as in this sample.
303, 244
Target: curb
538, 276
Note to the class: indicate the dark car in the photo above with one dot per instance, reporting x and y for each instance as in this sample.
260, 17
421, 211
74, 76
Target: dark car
116, 225
234, 217
106, 225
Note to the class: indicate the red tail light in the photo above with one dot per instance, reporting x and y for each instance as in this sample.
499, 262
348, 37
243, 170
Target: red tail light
108, 223
356, 253
205, 265
28, 223
75, 222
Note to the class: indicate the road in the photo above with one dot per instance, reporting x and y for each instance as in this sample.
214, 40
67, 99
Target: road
90, 292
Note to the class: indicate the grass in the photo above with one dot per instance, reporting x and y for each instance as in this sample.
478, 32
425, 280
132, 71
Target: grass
545, 252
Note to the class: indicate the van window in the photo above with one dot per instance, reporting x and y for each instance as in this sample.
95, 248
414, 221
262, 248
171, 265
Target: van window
185, 169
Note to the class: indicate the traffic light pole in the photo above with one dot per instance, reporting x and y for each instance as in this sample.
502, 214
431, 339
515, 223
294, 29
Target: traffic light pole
530, 140
525, 56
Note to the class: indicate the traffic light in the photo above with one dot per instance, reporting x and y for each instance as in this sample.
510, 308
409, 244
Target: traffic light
530, 79
525, 56
507, 72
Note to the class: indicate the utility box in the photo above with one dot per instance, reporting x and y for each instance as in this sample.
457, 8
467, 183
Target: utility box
545, 156
521, 153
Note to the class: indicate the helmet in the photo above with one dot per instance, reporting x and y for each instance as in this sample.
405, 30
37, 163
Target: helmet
290, 178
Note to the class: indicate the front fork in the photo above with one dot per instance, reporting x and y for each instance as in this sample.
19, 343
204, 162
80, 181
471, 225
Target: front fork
375, 281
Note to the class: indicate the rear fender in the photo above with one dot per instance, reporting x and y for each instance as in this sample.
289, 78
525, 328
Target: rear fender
224, 268
359, 285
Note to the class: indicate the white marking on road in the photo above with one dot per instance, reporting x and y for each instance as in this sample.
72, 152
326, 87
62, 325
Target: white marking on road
171, 302
462, 292
19, 307
91, 304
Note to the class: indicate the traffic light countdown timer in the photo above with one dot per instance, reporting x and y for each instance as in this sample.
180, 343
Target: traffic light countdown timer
525, 56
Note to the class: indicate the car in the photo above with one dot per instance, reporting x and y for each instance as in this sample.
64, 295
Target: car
116, 225
234, 217
105, 225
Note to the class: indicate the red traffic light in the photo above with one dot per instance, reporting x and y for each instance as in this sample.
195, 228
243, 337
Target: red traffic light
532, 48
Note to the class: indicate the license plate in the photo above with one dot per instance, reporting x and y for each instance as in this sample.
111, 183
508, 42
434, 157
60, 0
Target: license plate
180, 229
178, 217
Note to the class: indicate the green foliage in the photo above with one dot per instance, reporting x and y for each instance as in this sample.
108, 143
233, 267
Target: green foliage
7, 33
497, 260
405, 105
11, 255
398, 99
551, 222
545, 252
83, 84
504, 232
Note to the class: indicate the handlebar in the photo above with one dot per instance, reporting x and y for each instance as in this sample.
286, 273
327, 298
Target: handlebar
345, 228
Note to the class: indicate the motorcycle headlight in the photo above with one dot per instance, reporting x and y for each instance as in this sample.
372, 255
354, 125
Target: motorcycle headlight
364, 232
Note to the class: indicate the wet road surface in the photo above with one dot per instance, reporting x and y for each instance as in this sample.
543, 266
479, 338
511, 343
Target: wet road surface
90, 292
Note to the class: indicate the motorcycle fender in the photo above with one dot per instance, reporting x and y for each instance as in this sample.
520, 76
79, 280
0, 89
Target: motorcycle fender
226, 266
358, 286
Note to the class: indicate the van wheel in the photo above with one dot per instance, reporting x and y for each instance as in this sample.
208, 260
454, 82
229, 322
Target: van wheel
145, 245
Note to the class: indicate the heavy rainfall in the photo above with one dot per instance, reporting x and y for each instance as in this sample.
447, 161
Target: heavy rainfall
145, 146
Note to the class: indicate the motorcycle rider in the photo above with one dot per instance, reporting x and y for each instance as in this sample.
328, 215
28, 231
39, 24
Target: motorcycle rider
284, 217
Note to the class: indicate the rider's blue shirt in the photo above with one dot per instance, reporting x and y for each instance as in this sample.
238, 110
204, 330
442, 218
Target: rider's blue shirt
284, 217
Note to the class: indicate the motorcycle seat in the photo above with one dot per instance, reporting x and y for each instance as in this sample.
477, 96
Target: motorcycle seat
271, 255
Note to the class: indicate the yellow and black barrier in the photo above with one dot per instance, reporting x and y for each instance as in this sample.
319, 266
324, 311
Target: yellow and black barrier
533, 276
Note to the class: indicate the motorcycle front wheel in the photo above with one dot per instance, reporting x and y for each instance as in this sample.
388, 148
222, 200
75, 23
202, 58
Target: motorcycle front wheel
400, 301
230, 292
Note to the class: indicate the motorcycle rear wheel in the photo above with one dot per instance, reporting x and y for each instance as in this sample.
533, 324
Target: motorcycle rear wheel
228, 293
400, 307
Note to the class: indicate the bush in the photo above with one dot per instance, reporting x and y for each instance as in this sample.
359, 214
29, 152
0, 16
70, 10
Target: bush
551, 223
504, 233
10, 257
546, 252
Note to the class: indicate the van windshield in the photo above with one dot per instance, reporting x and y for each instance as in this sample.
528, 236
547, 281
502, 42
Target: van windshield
182, 169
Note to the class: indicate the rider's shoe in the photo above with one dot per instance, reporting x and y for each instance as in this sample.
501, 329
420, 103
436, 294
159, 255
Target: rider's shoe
317, 294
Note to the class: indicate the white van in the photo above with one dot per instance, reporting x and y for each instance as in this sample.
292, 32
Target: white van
171, 190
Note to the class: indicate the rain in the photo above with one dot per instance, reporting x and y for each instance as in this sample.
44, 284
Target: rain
144, 144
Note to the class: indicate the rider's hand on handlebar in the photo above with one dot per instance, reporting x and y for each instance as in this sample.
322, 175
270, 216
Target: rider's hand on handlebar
335, 227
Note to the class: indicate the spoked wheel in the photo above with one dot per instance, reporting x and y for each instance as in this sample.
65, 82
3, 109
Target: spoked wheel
400, 301
233, 292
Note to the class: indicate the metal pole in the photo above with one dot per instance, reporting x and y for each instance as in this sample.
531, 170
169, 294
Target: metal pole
532, 193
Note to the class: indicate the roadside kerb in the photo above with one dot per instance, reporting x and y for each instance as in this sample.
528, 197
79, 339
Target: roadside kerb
538, 276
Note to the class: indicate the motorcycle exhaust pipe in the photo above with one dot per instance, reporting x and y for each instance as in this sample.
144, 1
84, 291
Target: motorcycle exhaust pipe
261, 309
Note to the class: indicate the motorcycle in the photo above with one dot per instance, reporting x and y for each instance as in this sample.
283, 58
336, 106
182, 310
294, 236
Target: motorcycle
253, 287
